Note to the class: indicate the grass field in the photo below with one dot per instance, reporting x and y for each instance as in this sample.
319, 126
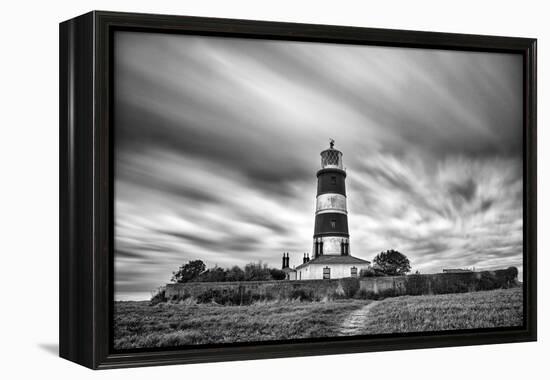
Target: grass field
140, 325
486, 309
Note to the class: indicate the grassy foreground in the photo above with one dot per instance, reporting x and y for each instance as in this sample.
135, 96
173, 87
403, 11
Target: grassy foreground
485, 309
140, 325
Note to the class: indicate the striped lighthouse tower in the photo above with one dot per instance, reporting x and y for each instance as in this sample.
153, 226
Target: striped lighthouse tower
331, 236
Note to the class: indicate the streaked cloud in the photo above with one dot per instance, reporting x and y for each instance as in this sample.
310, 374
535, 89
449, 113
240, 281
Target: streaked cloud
218, 141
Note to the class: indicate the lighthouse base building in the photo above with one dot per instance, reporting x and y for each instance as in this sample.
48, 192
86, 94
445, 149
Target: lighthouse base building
331, 266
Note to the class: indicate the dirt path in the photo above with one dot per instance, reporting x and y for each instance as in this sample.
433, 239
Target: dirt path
353, 323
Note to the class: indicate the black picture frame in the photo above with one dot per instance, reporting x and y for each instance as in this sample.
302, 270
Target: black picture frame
86, 186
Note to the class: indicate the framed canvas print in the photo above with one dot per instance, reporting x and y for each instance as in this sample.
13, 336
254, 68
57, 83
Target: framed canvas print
235, 189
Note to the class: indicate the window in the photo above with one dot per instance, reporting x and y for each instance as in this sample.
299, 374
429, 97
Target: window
333, 223
326, 273
353, 272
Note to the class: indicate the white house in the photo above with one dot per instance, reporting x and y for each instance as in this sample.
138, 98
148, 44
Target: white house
331, 266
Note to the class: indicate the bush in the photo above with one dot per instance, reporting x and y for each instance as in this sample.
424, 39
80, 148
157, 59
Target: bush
235, 274
256, 272
350, 286
277, 274
302, 295
487, 281
231, 296
158, 296
387, 293
215, 274
512, 273
507, 277
371, 272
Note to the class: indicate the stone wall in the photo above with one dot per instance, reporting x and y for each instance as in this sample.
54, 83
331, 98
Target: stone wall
313, 289
379, 285
440, 283
250, 291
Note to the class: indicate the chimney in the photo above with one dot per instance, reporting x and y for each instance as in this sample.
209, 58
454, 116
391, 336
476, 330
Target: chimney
305, 259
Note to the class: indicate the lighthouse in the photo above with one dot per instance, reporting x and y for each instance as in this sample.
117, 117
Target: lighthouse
331, 240
331, 235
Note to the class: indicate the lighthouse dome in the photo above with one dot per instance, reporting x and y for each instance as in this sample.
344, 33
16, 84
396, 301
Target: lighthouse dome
331, 158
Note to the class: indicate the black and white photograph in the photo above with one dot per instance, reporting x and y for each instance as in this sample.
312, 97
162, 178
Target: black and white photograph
245, 190
271, 190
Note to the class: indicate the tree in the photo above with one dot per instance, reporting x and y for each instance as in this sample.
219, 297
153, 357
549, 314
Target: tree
235, 274
215, 274
195, 271
512, 272
371, 272
277, 274
256, 272
189, 272
392, 263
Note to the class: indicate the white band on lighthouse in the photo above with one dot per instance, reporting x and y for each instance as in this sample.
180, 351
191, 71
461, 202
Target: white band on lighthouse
332, 245
331, 202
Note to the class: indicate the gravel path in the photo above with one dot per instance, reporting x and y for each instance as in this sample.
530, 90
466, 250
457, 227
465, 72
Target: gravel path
355, 321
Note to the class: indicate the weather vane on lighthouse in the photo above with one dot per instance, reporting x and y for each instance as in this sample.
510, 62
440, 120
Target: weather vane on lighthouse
331, 143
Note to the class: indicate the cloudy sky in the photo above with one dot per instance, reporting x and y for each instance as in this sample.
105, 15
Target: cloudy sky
218, 141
